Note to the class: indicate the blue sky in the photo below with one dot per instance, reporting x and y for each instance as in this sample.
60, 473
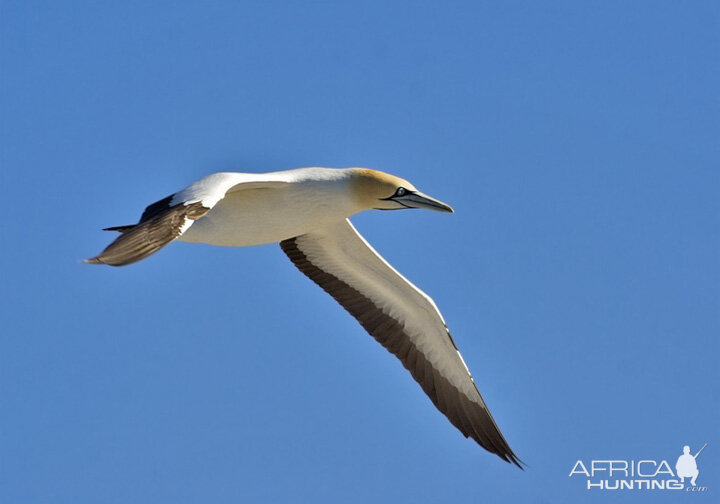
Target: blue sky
577, 142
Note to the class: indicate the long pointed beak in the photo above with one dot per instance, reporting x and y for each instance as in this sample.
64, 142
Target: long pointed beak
419, 200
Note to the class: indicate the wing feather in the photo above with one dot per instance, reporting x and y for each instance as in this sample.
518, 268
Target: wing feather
403, 319
167, 219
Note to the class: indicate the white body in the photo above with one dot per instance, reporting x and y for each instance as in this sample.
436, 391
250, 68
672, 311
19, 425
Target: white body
268, 208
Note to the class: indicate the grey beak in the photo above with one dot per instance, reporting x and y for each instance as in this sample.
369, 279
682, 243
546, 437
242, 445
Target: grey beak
419, 200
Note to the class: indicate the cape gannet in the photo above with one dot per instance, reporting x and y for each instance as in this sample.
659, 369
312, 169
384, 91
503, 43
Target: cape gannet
306, 210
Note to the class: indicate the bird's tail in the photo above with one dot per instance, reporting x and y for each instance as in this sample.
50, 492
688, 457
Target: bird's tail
121, 229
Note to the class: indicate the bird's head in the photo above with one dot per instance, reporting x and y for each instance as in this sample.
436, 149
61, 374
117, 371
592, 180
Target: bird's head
377, 190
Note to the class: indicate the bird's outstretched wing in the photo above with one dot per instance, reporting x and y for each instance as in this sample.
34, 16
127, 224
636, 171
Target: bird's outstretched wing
167, 219
403, 319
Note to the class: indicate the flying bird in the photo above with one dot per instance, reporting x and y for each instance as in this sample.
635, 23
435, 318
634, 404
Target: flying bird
306, 210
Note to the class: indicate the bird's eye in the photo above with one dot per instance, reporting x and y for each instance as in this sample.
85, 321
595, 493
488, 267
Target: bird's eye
400, 191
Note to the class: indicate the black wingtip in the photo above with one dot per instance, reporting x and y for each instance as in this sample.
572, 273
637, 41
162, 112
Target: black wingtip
513, 459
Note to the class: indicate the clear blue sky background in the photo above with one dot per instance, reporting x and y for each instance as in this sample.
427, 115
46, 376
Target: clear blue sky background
577, 141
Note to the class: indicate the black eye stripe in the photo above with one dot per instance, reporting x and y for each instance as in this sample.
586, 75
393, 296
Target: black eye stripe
399, 193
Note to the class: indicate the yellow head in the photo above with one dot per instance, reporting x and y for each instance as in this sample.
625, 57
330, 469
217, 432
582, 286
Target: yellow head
377, 190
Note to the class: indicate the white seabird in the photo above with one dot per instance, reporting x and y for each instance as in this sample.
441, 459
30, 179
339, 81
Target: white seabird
307, 211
